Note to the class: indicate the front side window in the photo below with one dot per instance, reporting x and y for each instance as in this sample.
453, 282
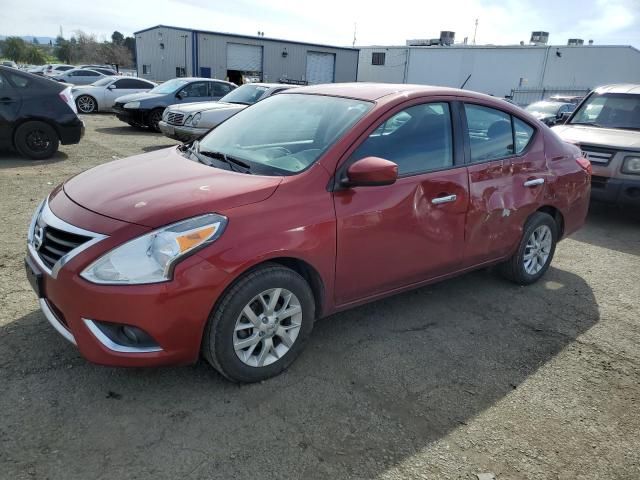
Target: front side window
418, 139
610, 110
103, 82
3, 84
286, 133
490, 133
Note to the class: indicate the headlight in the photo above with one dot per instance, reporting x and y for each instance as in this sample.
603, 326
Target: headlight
196, 119
165, 114
151, 257
188, 120
34, 219
132, 105
631, 165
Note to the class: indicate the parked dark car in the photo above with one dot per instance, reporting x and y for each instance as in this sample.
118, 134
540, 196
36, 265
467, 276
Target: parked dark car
36, 114
145, 109
550, 113
306, 203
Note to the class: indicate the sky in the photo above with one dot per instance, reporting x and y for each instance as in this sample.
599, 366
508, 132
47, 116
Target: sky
332, 21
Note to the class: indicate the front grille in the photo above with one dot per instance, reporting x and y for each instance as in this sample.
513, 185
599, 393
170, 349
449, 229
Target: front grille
119, 105
597, 155
57, 243
174, 118
599, 182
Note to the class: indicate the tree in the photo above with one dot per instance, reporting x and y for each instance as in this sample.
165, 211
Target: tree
35, 56
63, 50
130, 43
117, 38
15, 49
35, 41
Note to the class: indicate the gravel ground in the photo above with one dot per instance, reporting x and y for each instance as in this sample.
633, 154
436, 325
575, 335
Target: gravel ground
470, 376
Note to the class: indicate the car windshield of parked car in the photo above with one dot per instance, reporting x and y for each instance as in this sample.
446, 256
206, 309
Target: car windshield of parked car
169, 87
286, 133
610, 110
547, 108
245, 95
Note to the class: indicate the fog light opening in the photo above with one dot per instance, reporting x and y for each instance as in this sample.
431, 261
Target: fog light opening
127, 336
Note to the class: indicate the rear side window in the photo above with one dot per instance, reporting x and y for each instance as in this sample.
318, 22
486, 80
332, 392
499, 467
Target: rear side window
418, 139
523, 133
19, 81
3, 84
490, 133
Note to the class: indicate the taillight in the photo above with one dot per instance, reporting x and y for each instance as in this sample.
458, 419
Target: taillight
67, 97
584, 163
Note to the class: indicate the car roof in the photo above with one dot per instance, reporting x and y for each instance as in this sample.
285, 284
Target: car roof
632, 88
193, 79
549, 102
270, 85
375, 91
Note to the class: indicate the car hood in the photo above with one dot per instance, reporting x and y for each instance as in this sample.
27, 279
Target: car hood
203, 107
139, 97
162, 187
606, 137
542, 115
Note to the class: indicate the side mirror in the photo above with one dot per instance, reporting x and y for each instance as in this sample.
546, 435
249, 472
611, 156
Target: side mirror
564, 117
371, 172
111, 87
181, 94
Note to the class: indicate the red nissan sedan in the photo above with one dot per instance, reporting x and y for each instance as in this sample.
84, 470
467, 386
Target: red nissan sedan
307, 203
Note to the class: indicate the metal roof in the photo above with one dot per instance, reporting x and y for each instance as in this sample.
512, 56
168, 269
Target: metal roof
252, 37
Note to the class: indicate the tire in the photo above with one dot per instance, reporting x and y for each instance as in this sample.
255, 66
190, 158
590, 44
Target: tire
86, 104
525, 271
154, 118
221, 344
36, 140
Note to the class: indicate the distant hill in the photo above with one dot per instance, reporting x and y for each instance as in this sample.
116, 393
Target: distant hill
29, 38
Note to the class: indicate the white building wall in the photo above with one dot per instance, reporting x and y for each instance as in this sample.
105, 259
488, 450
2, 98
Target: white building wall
393, 70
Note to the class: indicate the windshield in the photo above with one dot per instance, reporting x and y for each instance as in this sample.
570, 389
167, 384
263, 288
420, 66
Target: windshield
611, 110
544, 107
246, 94
169, 87
102, 82
286, 133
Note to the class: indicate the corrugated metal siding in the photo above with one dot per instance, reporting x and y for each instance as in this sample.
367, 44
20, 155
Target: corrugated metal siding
496, 70
163, 62
212, 52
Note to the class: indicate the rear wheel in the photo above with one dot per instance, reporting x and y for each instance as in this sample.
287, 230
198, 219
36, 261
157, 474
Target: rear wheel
86, 104
154, 118
535, 252
260, 325
36, 140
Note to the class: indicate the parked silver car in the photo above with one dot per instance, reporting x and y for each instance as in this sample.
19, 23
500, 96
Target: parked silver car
190, 121
79, 76
101, 95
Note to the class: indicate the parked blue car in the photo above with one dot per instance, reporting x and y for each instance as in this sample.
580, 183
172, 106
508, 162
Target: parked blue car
145, 109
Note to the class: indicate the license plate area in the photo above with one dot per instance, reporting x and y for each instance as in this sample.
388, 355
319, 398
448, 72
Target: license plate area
35, 277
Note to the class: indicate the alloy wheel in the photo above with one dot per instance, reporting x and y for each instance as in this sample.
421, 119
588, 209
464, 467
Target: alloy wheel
86, 104
537, 250
267, 327
37, 141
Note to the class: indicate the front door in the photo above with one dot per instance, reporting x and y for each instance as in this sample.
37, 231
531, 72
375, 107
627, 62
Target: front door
397, 235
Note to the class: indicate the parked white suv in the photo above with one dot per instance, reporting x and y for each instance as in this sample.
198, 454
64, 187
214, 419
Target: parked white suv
606, 126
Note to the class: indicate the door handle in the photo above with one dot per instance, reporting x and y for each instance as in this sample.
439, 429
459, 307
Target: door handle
446, 199
534, 183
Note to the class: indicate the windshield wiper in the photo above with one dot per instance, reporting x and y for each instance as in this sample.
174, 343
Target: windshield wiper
192, 149
235, 164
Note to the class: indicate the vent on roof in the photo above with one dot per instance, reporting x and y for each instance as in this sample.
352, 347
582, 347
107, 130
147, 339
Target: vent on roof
574, 42
539, 38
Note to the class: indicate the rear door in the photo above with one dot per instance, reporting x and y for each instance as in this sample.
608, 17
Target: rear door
10, 100
501, 187
397, 235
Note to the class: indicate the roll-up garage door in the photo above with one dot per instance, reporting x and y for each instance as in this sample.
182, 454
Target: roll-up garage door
245, 58
320, 67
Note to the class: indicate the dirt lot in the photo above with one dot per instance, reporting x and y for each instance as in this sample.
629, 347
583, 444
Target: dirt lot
473, 375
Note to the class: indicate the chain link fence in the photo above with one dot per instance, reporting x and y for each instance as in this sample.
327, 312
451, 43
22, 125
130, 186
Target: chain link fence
525, 96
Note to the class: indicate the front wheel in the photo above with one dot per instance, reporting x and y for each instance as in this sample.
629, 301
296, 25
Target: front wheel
260, 325
86, 104
154, 118
535, 252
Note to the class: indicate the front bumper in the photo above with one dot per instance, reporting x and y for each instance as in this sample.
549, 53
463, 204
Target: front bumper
181, 132
132, 116
615, 190
172, 313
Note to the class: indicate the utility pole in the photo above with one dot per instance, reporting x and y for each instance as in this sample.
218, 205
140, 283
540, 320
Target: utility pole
355, 28
475, 31
185, 53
